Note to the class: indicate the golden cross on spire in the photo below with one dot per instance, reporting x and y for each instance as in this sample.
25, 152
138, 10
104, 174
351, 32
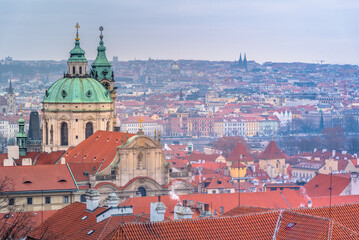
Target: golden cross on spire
21, 109
140, 121
77, 31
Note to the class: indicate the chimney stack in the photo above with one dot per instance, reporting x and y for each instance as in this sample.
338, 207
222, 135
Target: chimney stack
183, 212
112, 200
158, 210
92, 197
310, 204
206, 212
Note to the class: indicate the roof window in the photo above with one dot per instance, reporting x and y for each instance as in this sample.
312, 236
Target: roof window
90, 232
62, 180
83, 218
290, 226
27, 181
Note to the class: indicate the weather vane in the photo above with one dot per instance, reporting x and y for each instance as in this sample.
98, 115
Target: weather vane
77, 31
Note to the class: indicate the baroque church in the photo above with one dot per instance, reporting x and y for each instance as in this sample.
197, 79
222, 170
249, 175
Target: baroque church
79, 118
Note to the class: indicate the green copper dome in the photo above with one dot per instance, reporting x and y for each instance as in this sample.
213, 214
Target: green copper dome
77, 90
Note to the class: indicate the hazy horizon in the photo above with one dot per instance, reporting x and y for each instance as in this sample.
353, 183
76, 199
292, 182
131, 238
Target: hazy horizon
266, 30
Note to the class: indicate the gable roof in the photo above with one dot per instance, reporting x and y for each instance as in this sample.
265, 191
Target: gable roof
100, 147
272, 152
319, 185
240, 153
39, 178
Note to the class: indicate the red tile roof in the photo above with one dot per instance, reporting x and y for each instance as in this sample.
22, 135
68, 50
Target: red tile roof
240, 154
319, 185
272, 152
39, 177
100, 147
217, 183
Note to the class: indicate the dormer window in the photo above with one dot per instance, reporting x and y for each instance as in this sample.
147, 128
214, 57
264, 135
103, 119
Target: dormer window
27, 181
62, 180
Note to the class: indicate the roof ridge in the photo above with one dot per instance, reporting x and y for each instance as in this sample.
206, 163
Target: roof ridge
345, 227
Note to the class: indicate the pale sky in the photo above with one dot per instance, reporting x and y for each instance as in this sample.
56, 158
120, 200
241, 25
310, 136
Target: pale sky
267, 30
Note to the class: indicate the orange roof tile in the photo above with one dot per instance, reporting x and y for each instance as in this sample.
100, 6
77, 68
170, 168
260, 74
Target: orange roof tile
100, 147
272, 152
319, 185
240, 154
39, 177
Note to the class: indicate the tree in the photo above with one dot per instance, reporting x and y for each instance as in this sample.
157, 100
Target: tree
352, 145
333, 138
227, 144
15, 223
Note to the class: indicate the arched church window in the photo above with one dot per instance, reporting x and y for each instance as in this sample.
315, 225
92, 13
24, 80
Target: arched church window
83, 198
64, 135
141, 191
89, 129
80, 70
73, 70
47, 133
108, 126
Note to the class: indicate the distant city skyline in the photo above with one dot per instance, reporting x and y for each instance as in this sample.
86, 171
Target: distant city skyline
266, 30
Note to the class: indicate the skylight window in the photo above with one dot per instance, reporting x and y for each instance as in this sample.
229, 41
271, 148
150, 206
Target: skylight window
90, 232
84, 217
290, 226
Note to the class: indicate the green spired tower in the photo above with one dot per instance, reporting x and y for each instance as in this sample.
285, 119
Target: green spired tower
21, 137
102, 72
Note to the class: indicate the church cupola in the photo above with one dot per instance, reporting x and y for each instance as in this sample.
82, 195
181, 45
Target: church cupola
77, 63
21, 137
101, 67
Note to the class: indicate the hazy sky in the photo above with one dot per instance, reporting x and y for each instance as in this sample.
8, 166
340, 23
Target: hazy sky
267, 30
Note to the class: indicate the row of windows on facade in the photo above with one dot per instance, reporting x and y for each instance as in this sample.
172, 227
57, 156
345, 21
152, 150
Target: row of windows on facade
65, 132
305, 175
65, 199
74, 70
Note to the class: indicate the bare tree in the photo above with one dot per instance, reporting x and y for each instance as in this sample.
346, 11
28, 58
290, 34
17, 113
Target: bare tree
227, 144
15, 223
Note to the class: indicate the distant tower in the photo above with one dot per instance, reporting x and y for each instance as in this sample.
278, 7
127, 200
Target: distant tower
21, 137
240, 61
34, 134
11, 103
102, 72
245, 62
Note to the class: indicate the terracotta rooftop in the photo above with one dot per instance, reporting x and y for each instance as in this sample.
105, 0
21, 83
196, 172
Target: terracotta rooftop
272, 152
240, 154
100, 147
39, 178
319, 185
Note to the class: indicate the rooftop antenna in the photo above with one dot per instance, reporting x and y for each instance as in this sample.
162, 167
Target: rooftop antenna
330, 193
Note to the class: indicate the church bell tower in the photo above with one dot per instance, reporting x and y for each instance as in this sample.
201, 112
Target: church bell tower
102, 72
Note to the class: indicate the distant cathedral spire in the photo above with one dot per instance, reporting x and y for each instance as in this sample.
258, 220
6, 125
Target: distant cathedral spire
11, 90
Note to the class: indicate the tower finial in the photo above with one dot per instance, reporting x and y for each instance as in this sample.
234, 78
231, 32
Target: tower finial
101, 29
21, 110
77, 31
140, 121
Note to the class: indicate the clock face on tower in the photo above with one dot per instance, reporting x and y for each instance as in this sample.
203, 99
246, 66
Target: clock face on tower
106, 85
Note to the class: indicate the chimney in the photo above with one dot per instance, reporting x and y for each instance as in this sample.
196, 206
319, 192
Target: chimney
13, 152
157, 213
310, 204
114, 211
206, 212
9, 163
253, 168
314, 150
183, 212
221, 210
333, 153
63, 160
324, 150
112, 200
26, 162
92, 197
344, 152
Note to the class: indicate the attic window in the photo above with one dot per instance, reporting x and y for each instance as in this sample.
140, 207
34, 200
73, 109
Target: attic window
219, 182
83, 218
316, 185
62, 180
27, 181
86, 173
290, 226
90, 232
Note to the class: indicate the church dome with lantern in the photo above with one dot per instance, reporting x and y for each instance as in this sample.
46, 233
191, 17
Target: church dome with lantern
75, 106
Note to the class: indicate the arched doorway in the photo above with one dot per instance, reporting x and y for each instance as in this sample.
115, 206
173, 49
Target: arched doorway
141, 191
89, 129
64, 135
